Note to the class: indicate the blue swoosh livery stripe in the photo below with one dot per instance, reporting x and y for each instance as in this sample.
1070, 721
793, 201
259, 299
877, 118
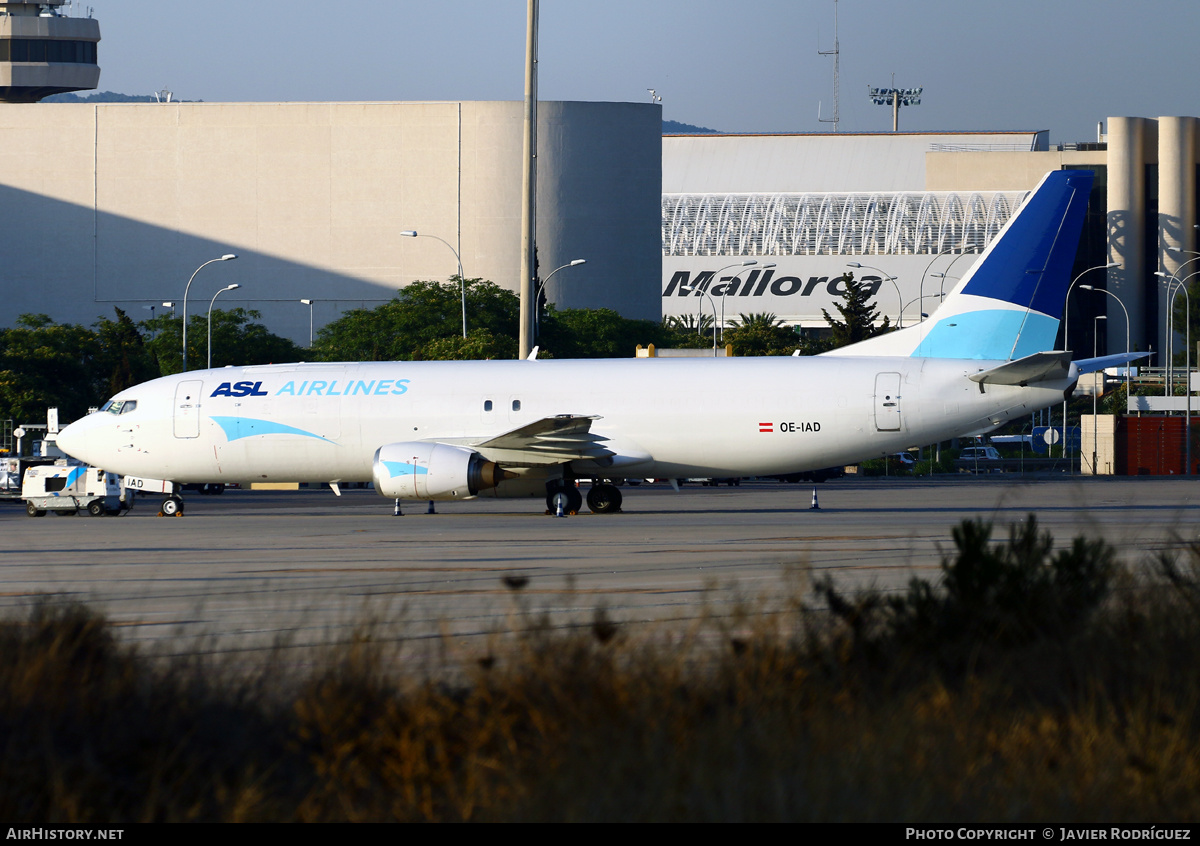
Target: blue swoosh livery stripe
72, 478
236, 428
404, 468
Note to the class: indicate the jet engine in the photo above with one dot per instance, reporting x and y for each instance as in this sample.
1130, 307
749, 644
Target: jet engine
417, 470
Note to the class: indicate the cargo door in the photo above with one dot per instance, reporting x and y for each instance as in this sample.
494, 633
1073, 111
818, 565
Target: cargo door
887, 402
187, 409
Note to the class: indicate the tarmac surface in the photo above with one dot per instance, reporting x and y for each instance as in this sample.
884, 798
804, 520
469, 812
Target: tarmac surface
246, 571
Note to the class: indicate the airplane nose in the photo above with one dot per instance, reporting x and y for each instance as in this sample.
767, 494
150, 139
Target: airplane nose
73, 440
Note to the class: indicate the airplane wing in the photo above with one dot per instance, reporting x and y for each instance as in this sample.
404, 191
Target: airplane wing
551, 440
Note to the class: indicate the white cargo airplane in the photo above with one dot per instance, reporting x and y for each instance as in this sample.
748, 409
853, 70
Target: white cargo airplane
460, 429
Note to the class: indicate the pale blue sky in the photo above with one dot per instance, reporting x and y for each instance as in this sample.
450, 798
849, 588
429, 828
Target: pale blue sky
745, 66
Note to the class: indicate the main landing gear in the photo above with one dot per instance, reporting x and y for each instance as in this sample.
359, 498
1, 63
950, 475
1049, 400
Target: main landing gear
602, 498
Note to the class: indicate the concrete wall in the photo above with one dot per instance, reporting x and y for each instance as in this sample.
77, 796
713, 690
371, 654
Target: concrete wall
118, 204
999, 171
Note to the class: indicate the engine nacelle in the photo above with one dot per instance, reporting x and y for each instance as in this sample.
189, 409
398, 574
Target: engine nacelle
417, 470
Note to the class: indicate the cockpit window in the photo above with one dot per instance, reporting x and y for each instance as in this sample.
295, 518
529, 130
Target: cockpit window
119, 406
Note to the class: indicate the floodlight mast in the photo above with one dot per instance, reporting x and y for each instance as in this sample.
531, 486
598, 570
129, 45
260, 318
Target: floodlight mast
836, 53
895, 97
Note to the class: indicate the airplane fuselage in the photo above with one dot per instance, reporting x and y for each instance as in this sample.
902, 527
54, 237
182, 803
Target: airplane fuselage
658, 418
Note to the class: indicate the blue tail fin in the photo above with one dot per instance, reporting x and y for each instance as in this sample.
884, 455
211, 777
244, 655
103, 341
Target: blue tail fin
1011, 301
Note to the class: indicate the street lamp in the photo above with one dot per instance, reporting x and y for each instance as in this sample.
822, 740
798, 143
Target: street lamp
309, 303
171, 305
412, 233
921, 288
1095, 387
714, 308
892, 279
1187, 360
226, 257
1173, 286
1066, 346
917, 299
726, 292
716, 280
1127, 347
1067, 299
210, 308
537, 295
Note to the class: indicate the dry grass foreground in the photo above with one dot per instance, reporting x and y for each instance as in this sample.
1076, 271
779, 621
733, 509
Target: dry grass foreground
1028, 686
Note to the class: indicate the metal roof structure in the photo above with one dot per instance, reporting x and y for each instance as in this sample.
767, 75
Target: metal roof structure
810, 224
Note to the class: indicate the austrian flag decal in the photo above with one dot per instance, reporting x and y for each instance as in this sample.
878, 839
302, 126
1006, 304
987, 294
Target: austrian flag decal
766, 427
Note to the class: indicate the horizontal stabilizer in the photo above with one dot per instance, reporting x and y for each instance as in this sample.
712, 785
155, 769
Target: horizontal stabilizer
1091, 365
1039, 367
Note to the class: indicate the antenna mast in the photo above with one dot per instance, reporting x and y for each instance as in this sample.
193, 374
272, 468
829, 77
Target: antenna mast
835, 52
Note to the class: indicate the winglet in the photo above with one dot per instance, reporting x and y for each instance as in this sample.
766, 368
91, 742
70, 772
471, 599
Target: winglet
533, 354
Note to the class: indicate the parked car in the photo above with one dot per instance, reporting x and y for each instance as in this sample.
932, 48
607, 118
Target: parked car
984, 459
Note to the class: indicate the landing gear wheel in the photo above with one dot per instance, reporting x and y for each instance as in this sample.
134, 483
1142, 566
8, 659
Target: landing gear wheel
574, 500
33, 511
172, 506
96, 508
604, 499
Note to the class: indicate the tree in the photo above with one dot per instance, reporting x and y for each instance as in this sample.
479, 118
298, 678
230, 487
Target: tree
858, 315
123, 358
761, 334
478, 345
597, 333
44, 364
420, 314
236, 339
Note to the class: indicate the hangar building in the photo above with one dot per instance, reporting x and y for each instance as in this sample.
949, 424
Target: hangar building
914, 210
117, 204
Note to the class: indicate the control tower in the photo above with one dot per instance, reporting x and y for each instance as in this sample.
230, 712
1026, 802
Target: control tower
44, 52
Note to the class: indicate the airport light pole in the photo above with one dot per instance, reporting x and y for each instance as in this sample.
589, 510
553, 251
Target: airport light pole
918, 299
1187, 365
537, 296
412, 233
1171, 316
1066, 346
929, 267
1127, 347
714, 308
226, 257
1096, 388
309, 303
892, 279
210, 308
1173, 283
726, 292
171, 305
716, 280
950, 267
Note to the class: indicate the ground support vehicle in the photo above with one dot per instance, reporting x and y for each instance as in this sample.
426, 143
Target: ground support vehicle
66, 489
